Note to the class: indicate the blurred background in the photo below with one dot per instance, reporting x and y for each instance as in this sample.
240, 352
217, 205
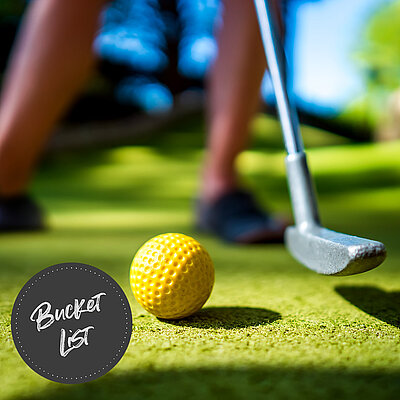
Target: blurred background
154, 54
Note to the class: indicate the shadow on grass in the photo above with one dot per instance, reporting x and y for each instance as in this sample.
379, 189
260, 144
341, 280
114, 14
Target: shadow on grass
374, 301
227, 318
231, 383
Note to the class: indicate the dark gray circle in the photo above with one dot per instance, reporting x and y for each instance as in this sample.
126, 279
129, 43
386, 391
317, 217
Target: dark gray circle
99, 316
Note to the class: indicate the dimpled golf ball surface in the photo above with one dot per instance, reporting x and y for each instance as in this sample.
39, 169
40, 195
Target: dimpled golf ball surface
172, 276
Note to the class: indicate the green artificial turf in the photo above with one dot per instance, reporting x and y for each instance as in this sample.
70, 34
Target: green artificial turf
272, 328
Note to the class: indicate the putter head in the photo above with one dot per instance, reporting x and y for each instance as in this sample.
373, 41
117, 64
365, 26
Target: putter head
332, 253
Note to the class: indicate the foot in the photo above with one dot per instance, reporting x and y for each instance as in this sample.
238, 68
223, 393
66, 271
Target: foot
236, 217
20, 213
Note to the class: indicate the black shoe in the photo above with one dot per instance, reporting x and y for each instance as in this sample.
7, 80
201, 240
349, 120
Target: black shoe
20, 213
236, 217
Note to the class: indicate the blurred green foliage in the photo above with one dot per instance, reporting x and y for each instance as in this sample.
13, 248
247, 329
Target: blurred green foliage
380, 54
379, 59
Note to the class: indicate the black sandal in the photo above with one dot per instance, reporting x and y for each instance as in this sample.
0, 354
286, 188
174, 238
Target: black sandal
20, 213
236, 217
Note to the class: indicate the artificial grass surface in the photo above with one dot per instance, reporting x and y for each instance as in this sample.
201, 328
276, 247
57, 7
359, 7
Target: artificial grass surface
271, 329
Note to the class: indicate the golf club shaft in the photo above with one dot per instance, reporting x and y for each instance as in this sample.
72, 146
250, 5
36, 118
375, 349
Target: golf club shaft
276, 63
301, 187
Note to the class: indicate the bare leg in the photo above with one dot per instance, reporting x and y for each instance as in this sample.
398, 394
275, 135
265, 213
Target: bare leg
51, 60
234, 86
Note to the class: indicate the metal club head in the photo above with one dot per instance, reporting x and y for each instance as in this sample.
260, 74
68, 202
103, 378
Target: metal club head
331, 253
322, 250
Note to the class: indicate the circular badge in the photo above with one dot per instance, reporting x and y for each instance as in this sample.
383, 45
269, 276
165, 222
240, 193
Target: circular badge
71, 323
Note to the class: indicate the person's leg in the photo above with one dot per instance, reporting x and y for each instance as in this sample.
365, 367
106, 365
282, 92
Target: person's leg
51, 60
233, 98
233, 95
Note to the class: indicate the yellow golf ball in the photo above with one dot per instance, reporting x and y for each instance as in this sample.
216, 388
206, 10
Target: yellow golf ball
172, 276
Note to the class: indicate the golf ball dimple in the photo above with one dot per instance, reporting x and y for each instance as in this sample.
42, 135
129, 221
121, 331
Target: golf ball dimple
172, 276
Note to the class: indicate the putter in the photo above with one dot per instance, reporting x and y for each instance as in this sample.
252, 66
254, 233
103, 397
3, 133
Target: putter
320, 249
